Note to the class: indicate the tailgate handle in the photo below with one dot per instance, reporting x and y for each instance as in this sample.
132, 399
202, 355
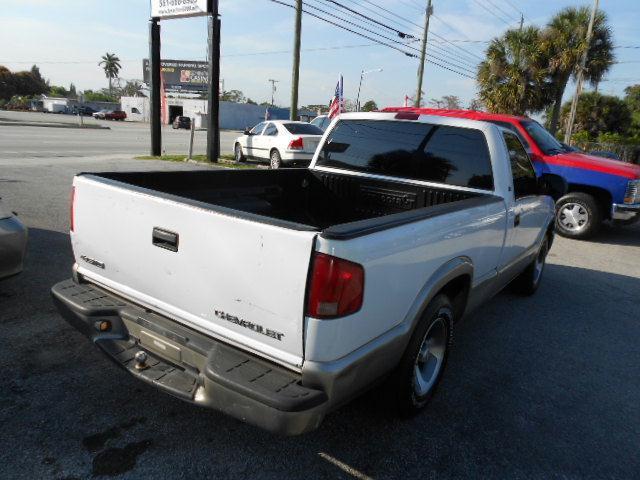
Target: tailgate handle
165, 239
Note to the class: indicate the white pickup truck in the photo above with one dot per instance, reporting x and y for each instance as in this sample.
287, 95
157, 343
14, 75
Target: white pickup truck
278, 295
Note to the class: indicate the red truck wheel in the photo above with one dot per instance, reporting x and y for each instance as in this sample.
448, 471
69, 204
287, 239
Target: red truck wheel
578, 215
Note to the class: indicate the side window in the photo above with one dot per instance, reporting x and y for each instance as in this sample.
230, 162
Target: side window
257, 130
271, 130
135, 110
525, 182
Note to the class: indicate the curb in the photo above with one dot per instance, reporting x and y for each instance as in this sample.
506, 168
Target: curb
53, 125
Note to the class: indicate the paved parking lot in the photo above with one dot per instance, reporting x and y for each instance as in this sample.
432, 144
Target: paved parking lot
540, 387
122, 138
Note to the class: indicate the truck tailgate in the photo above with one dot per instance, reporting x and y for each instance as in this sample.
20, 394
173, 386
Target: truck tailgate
235, 279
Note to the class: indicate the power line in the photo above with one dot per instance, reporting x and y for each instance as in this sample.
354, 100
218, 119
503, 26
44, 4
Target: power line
409, 54
497, 7
491, 12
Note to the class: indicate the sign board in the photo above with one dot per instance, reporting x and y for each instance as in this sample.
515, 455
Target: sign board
189, 76
178, 8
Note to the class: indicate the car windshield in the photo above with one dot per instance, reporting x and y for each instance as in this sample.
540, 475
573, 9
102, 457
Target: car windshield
545, 141
302, 129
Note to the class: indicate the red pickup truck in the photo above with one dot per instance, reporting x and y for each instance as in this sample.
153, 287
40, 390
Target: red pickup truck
115, 115
600, 189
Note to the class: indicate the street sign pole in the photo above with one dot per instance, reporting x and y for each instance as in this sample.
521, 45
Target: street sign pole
154, 67
213, 110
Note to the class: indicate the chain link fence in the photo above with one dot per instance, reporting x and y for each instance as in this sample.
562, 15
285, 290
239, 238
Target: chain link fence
626, 152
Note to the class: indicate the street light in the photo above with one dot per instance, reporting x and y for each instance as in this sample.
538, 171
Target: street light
362, 74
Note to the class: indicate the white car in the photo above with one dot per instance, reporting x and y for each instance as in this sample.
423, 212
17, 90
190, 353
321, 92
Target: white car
279, 141
322, 122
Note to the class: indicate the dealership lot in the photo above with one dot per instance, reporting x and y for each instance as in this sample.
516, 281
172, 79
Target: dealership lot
122, 138
538, 387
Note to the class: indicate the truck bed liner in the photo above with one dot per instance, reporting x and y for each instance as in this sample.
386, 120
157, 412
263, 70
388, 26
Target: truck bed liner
341, 206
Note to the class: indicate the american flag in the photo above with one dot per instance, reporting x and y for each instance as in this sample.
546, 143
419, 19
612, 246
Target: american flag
337, 103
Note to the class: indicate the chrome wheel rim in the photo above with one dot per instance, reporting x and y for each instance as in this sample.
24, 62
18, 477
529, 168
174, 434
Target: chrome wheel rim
573, 217
275, 161
430, 357
238, 153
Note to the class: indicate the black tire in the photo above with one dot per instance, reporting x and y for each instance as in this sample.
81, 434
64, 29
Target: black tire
529, 280
237, 153
275, 160
584, 209
410, 396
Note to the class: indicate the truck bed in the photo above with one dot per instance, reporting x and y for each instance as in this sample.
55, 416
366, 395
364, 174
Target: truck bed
341, 206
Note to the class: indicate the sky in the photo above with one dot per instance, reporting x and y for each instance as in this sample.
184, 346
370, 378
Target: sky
66, 39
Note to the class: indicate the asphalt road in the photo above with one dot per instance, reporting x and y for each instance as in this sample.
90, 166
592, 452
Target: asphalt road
122, 138
540, 387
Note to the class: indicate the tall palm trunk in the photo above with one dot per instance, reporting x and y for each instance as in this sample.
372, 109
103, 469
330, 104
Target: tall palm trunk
557, 104
109, 77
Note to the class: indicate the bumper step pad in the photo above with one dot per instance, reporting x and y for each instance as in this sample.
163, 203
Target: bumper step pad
162, 374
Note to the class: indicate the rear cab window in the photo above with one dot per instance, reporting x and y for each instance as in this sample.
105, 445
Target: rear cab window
420, 151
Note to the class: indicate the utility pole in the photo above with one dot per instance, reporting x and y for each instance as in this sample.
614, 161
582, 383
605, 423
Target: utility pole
423, 52
213, 105
154, 76
273, 90
583, 64
295, 75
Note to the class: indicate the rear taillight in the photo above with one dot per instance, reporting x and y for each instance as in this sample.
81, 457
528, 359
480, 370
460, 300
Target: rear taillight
336, 287
296, 144
72, 216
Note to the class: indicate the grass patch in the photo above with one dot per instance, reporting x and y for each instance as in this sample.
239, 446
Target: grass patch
226, 160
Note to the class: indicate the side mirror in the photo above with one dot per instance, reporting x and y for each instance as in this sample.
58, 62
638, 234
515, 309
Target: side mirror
552, 185
247, 131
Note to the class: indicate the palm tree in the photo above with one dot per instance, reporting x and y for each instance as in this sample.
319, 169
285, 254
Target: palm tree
564, 41
111, 65
514, 77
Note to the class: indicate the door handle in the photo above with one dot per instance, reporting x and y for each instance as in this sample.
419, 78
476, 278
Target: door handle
516, 220
165, 239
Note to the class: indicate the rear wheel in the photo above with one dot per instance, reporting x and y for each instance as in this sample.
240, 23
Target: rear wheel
529, 280
275, 160
417, 376
578, 215
239, 156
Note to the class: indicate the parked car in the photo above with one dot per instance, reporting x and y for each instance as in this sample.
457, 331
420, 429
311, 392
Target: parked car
115, 115
600, 189
13, 243
276, 296
83, 110
101, 114
181, 122
322, 122
605, 154
280, 142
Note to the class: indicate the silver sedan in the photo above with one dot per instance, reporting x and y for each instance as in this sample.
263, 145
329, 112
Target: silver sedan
13, 243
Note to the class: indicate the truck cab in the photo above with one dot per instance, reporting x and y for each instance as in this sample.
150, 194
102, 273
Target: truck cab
599, 189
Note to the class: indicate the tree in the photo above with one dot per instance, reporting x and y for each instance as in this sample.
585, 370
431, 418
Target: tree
7, 85
58, 91
132, 88
370, 106
450, 102
235, 96
110, 63
514, 77
564, 42
476, 104
632, 99
72, 91
597, 114
91, 96
251, 102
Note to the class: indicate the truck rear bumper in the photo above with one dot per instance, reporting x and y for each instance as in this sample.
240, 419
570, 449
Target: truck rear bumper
190, 365
625, 212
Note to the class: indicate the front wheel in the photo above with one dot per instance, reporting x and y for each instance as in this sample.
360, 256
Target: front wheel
417, 376
275, 160
578, 215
